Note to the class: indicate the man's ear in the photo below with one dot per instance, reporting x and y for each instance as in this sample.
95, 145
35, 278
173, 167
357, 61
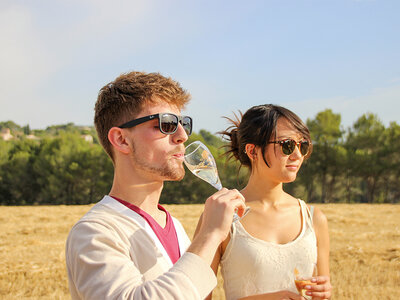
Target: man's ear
117, 138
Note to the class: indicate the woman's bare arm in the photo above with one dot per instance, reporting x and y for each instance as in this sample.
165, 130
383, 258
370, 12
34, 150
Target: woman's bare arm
323, 289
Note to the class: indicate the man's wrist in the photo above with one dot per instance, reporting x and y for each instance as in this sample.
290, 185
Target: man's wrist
205, 246
199, 272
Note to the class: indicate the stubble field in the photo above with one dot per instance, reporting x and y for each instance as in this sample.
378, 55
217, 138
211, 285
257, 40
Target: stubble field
365, 249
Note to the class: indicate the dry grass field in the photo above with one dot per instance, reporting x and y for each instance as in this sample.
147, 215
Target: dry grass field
365, 249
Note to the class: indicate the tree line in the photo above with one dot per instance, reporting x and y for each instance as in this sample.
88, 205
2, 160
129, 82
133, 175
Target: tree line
360, 164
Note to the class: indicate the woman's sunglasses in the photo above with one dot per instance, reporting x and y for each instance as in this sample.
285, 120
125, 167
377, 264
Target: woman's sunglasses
288, 146
167, 122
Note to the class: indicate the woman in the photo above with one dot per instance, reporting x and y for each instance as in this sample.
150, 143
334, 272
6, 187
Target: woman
281, 236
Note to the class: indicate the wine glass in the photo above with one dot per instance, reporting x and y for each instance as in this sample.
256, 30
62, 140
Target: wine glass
199, 160
301, 281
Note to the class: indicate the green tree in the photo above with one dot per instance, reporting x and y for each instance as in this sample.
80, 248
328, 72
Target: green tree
327, 159
4, 157
210, 139
390, 188
11, 125
73, 170
26, 129
366, 150
62, 168
98, 172
18, 183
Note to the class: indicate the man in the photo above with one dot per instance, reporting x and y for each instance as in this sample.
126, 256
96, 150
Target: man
128, 246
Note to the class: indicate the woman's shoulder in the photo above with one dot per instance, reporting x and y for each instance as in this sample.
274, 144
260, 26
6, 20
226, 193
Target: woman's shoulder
318, 216
320, 221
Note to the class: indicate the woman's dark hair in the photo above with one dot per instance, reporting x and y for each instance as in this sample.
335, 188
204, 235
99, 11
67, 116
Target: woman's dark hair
257, 126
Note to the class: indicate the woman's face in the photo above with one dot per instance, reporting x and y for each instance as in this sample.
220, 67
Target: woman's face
282, 167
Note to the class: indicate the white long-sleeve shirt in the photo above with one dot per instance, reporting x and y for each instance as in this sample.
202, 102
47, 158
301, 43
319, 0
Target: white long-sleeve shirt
112, 253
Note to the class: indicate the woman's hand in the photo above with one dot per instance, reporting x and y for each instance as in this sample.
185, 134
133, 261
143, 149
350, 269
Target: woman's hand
322, 290
281, 295
285, 295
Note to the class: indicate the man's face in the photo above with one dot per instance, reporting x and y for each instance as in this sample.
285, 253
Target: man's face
155, 155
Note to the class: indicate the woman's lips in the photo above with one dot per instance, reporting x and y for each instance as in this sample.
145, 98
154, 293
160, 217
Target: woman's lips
292, 167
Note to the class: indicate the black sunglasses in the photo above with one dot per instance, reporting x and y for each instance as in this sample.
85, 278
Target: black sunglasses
288, 146
167, 122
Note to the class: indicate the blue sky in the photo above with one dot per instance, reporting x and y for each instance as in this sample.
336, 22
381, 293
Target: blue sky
305, 55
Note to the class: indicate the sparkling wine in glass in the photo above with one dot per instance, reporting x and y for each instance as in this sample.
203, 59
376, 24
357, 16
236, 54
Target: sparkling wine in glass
301, 281
199, 160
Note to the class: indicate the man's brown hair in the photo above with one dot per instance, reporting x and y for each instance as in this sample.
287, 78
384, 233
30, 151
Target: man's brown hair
122, 100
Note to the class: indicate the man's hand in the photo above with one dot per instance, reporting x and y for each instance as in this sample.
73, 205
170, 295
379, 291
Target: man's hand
219, 210
216, 222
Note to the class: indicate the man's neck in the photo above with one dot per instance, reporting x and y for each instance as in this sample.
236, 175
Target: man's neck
145, 195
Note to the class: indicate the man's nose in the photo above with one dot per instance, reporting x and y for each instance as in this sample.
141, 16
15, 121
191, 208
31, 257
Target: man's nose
180, 136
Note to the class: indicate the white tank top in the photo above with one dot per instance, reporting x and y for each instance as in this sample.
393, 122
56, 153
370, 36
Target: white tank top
252, 266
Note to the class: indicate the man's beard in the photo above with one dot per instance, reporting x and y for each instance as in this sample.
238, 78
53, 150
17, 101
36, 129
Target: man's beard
168, 171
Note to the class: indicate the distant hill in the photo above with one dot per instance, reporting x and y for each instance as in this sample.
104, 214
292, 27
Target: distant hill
18, 131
